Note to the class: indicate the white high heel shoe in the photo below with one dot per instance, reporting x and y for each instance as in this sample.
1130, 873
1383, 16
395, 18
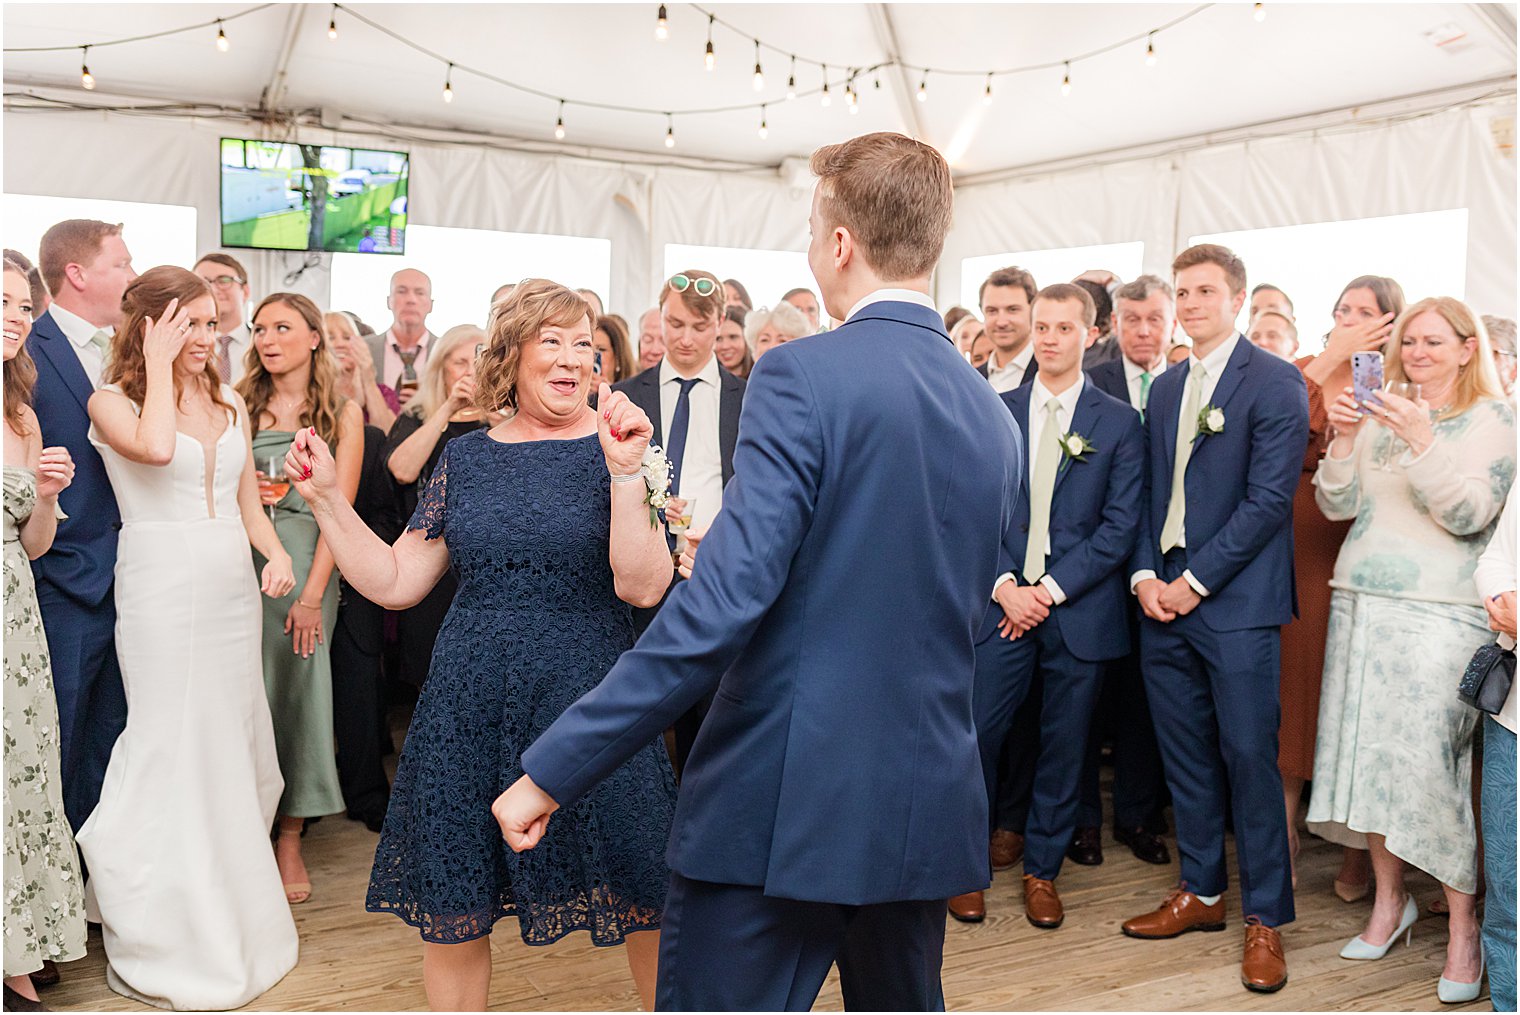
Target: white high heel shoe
1358, 948
1452, 992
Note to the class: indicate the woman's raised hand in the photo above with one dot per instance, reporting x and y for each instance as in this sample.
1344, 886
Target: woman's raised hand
1362, 336
309, 465
164, 338
624, 431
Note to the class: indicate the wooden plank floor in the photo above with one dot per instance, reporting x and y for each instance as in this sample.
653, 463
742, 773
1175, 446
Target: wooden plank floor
356, 961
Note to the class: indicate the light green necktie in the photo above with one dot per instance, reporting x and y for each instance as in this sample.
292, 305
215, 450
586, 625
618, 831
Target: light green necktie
102, 341
1046, 461
1187, 430
1145, 391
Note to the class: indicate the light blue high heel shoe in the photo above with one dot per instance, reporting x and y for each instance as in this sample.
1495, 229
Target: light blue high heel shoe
1452, 992
1357, 948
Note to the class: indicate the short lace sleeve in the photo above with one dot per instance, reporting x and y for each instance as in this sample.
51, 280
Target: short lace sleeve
432, 506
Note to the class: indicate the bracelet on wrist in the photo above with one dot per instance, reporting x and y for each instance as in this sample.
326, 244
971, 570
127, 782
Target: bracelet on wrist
631, 477
307, 605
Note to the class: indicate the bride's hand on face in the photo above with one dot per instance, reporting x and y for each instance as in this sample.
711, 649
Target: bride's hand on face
624, 431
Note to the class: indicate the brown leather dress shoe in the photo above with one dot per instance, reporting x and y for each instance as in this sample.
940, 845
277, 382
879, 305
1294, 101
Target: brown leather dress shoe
1086, 847
968, 908
47, 976
1145, 845
1006, 849
1180, 913
1263, 967
1042, 906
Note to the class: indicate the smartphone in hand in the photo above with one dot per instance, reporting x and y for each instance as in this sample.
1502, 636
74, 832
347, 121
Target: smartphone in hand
1366, 377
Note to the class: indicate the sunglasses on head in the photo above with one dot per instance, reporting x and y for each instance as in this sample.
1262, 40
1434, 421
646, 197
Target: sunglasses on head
703, 286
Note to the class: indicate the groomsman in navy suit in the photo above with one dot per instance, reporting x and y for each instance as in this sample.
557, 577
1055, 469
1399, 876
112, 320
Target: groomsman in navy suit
1144, 313
1213, 571
87, 266
833, 799
1058, 611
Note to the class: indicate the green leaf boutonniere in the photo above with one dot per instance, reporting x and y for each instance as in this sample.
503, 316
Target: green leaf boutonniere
1075, 447
1210, 421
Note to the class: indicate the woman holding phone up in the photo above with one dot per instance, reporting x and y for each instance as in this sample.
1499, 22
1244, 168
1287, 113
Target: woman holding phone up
1424, 479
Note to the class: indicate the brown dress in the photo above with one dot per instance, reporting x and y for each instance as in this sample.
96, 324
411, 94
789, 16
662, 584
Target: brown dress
1316, 543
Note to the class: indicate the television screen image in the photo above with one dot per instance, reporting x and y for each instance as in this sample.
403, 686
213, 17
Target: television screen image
288, 196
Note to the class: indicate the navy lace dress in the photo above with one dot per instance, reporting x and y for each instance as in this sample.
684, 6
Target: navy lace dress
535, 624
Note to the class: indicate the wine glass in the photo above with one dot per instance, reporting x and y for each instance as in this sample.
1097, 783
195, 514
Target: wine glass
273, 483
1404, 389
681, 521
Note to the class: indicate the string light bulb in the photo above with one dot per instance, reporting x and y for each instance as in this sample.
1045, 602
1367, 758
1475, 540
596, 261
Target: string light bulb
987, 92
1150, 50
86, 79
791, 80
1066, 81
851, 97
759, 74
332, 24
559, 124
1261, 12
710, 59
764, 130
825, 98
448, 85
661, 25
923, 87
670, 131
222, 42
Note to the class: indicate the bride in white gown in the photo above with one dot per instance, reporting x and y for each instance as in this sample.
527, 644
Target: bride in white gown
180, 866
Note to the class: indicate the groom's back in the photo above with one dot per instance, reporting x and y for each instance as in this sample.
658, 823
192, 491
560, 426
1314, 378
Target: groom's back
839, 760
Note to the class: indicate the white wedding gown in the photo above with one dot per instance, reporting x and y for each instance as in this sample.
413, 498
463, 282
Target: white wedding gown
180, 866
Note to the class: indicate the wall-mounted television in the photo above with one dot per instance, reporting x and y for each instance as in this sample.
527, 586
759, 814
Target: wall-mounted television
289, 196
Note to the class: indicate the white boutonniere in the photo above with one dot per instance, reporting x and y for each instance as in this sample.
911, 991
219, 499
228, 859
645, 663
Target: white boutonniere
1210, 421
656, 469
1075, 447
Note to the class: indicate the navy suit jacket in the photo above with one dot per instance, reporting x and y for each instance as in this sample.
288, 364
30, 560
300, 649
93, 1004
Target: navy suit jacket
643, 390
834, 609
82, 561
1240, 487
1109, 379
1094, 516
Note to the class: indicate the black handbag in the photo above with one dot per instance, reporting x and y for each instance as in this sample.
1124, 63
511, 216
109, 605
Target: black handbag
1486, 682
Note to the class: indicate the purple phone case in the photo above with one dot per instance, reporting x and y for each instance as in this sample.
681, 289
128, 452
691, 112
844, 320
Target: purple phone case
1366, 376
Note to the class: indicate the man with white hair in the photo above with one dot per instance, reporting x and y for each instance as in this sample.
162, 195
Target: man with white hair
400, 353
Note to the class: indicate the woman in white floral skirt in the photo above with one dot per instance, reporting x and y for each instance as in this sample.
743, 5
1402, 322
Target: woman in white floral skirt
44, 896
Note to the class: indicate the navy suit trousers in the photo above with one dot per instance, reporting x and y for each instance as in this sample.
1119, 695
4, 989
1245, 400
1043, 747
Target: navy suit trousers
92, 705
1124, 715
732, 948
1004, 671
1214, 698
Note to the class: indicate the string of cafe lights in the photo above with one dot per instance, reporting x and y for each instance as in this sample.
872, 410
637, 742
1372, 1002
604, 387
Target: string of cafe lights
663, 33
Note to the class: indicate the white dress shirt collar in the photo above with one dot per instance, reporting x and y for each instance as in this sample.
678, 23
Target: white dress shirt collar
894, 296
1133, 370
709, 373
75, 328
1216, 361
1039, 395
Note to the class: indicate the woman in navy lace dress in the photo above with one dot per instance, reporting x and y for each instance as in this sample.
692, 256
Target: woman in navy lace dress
550, 552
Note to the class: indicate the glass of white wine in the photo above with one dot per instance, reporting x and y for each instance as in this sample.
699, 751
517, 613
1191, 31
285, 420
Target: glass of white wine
1396, 447
679, 519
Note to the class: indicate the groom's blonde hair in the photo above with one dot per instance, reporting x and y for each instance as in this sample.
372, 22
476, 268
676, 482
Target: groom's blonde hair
894, 196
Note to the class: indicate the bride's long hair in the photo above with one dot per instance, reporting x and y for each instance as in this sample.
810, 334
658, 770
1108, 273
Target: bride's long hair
148, 296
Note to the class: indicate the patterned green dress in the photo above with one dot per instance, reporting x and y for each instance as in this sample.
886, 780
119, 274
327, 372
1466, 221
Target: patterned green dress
1394, 751
300, 690
44, 896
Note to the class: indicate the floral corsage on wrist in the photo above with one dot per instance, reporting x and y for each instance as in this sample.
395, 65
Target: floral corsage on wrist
656, 473
1210, 421
1075, 447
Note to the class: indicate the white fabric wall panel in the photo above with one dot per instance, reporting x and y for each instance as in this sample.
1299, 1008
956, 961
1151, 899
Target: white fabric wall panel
1111, 204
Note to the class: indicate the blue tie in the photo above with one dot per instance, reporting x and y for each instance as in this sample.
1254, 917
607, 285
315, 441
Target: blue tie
675, 441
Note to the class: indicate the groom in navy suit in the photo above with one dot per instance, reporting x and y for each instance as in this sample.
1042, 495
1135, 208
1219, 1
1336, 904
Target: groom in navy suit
833, 800
87, 267
1214, 574
1058, 611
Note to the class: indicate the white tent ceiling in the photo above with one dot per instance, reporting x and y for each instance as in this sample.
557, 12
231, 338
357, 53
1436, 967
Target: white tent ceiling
1219, 69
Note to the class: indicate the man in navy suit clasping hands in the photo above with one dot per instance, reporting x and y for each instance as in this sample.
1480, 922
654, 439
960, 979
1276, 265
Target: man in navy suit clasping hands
1058, 609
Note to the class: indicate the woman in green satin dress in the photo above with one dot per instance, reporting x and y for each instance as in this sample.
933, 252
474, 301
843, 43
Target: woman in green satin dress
291, 382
